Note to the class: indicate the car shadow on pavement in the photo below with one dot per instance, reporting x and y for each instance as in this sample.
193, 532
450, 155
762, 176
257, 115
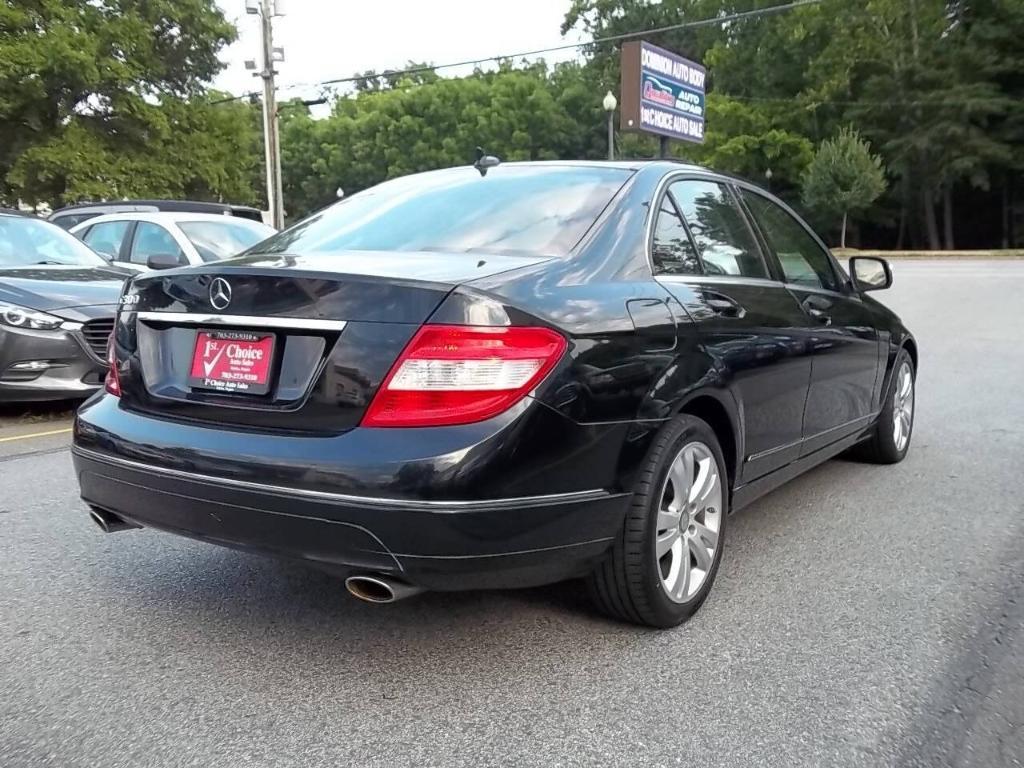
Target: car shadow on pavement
243, 589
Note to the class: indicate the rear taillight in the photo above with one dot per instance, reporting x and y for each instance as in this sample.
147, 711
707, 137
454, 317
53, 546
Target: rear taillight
112, 383
453, 374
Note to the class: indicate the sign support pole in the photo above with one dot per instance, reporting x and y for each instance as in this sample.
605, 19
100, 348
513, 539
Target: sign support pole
663, 147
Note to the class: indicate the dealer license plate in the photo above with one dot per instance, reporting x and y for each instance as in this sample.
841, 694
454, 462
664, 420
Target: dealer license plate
232, 361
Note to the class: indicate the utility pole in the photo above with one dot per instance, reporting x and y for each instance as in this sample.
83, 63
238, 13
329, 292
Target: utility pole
267, 9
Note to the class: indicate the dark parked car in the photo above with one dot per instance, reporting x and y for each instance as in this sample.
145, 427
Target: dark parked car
455, 381
73, 215
57, 306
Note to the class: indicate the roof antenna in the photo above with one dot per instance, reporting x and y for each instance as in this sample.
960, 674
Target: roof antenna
485, 162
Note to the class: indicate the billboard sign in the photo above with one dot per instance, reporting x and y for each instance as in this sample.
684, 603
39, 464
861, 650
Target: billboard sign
662, 93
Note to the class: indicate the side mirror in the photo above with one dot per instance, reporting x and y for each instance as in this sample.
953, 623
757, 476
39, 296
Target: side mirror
163, 261
870, 273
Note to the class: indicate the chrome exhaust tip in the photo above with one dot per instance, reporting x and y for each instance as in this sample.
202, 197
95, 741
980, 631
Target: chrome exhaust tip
108, 522
379, 589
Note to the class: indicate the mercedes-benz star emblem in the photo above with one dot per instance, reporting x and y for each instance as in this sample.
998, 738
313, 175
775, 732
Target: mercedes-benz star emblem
220, 293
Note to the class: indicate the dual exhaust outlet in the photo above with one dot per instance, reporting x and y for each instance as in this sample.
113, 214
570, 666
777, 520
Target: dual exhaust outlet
369, 587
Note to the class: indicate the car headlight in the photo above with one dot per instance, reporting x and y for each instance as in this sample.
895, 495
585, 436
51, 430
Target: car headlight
21, 317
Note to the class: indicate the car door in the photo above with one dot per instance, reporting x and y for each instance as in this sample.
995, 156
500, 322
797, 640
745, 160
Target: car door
108, 239
152, 240
845, 361
706, 254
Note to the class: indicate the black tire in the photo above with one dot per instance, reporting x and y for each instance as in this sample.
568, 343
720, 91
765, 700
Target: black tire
881, 447
627, 584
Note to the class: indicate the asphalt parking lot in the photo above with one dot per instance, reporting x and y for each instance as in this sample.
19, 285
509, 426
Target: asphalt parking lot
864, 616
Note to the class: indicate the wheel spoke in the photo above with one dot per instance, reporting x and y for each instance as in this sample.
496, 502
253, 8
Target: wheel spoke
681, 475
905, 423
897, 431
667, 519
701, 555
705, 482
665, 541
681, 586
905, 383
705, 535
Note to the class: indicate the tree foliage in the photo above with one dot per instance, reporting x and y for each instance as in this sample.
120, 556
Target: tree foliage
106, 99
935, 85
529, 113
843, 178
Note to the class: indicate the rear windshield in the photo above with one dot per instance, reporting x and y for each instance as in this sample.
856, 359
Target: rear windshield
69, 220
542, 210
216, 240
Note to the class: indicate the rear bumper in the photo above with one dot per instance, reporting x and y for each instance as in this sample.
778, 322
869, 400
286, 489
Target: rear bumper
467, 543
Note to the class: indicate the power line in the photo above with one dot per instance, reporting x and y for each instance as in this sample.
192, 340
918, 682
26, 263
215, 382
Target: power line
808, 101
596, 41
726, 19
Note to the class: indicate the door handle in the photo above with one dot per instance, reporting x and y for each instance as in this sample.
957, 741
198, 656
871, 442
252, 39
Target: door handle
818, 307
723, 305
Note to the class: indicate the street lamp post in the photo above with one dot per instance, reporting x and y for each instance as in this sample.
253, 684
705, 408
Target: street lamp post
610, 103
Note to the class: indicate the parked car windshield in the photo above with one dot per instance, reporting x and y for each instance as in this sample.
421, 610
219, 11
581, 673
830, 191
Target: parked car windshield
216, 240
26, 242
542, 210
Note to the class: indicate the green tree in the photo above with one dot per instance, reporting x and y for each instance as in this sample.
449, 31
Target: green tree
106, 98
936, 86
373, 81
528, 113
843, 178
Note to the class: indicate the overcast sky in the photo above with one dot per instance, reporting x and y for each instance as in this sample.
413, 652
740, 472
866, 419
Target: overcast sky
324, 39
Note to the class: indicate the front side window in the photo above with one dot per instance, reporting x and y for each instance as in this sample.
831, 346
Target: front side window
215, 240
543, 210
106, 238
803, 260
152, 240
26, 242
672, 250
724, 241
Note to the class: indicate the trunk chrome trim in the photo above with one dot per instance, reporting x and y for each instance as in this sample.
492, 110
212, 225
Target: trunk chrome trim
344, 498
247, 321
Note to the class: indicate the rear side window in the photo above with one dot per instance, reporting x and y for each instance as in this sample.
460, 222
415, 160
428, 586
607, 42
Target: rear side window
672, 251
724, 241
541, 210
803, 260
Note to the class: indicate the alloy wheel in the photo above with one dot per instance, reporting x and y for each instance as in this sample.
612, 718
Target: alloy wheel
903, 407
689, 521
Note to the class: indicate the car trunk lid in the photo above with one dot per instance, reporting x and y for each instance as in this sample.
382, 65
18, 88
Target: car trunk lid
297, 344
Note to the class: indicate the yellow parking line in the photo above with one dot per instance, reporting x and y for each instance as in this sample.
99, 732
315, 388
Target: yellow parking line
35, 434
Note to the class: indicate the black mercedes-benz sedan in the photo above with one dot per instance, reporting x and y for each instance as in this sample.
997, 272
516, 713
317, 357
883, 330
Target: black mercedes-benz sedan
57, 305
503, 377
